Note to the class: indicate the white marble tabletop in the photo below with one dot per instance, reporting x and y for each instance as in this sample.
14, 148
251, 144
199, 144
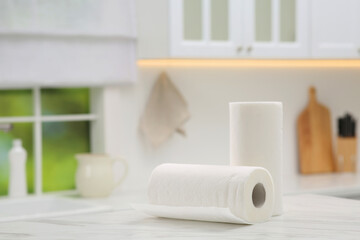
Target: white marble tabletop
305, 217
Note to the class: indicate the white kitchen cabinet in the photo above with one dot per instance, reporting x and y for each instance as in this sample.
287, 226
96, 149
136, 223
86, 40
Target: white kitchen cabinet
335, 28
277, 29
239, 28
250, 29
206, 28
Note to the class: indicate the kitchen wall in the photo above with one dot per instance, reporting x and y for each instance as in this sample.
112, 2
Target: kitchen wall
208, 91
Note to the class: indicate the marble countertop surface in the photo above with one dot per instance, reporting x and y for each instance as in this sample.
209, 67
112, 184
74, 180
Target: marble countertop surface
305, 217
332, 184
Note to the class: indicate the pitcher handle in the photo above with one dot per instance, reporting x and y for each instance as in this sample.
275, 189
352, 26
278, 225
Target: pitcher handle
125, 164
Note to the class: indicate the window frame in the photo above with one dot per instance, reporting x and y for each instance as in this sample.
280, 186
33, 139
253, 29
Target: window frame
94, 118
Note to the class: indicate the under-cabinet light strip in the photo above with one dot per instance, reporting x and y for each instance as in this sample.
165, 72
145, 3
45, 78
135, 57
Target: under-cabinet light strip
239, 63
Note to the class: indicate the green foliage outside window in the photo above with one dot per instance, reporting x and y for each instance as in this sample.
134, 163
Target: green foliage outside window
61, 140
15, 103
56, 101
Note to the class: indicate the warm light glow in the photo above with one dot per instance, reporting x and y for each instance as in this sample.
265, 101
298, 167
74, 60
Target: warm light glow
249, 63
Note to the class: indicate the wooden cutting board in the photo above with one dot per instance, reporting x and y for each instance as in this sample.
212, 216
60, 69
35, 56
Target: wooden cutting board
315, 138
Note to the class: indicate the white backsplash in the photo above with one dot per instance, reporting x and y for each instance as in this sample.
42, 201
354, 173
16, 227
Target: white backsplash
208, 91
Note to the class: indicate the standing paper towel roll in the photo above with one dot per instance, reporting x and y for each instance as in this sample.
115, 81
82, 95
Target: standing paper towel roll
210, 193
256, 140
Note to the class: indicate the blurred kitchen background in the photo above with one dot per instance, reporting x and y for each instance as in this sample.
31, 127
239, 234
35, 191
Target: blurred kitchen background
76, 76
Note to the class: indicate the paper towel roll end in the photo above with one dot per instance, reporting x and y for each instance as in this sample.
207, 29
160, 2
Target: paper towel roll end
259, 197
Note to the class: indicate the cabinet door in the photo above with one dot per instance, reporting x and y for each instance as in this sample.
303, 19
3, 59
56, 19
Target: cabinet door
335, 28
206, 28
277, 29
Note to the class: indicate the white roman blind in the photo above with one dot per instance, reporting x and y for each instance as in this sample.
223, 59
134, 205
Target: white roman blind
67, 42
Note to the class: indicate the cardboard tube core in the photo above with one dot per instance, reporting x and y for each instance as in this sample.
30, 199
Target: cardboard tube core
258, 195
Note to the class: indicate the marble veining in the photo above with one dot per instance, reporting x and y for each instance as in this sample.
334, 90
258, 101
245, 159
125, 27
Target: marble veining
305, 217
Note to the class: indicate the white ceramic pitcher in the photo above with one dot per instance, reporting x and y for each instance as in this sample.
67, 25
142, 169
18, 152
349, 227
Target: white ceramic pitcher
95, 174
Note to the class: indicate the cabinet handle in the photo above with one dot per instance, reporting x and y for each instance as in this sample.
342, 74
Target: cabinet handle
239, 49
249, 48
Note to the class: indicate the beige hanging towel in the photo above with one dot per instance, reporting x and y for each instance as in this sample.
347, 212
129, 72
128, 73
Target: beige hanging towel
165, 113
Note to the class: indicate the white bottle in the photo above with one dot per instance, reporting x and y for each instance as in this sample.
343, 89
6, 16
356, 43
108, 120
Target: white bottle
17, 181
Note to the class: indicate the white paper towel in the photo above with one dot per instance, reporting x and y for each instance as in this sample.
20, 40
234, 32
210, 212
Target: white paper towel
256, 140
210, 193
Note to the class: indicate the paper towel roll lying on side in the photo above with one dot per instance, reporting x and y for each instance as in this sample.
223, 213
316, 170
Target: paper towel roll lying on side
256, 140
210, 193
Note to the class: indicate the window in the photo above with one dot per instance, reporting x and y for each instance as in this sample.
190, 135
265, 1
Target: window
54, 124
75, 43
